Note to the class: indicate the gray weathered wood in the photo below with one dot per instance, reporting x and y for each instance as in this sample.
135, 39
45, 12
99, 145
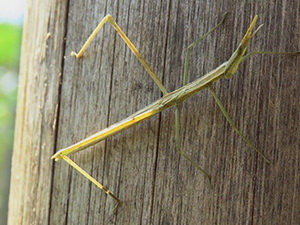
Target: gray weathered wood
63, 100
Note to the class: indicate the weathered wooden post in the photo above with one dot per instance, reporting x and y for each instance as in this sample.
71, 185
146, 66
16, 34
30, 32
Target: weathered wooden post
63, 100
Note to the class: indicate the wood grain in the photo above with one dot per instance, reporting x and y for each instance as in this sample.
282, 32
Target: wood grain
63, 100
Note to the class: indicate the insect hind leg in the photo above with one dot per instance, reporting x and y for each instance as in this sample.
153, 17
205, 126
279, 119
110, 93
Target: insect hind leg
89, 177
113, 23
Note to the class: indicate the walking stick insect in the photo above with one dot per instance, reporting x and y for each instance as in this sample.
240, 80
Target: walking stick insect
169, 99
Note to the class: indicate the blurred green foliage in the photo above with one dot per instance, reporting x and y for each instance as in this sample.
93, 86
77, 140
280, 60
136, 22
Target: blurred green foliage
10, 41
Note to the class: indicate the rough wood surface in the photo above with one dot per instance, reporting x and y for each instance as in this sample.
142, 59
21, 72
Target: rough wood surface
63, 100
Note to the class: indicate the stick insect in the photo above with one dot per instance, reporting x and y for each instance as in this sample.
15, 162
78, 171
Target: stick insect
169, 99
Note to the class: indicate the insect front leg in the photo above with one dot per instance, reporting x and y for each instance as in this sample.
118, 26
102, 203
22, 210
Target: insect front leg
191, 47
269, 53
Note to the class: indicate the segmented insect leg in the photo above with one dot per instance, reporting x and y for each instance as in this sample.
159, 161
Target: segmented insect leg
147, 67
178, 143
94, 181
224, 112
179, 105
268, 53
191, 46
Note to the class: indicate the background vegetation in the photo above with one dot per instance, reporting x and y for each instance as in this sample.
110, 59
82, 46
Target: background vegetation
10, 40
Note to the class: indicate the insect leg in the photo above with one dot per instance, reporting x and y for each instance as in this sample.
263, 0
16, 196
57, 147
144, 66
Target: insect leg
178, 106
269, 53
191, 46
178, 143
147, 67
224, 112
80, 170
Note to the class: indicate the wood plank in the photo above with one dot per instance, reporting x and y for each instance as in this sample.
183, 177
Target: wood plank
37, 112
141, 165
